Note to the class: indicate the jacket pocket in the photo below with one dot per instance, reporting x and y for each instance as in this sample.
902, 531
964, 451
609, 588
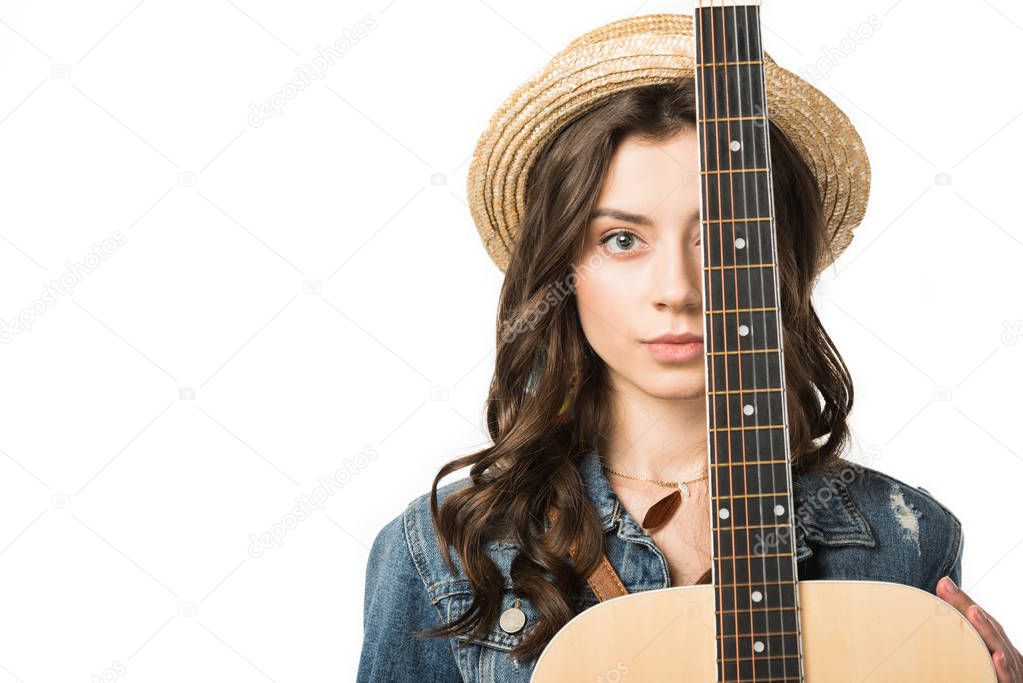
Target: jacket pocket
486, 658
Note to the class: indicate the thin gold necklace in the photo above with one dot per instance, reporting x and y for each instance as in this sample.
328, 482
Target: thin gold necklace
661, 511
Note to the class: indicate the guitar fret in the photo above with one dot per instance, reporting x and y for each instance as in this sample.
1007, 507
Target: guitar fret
743, 310
737, 351
738, 63
752, 557
747, 463
745, 391
751, 219
756, 584
748, 526
751, 658
757, 610
736, 170
773, 633
741, 265
745, 428
750, 495
732, 118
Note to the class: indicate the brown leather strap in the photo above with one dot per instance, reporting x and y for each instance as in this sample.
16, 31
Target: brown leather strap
604, 581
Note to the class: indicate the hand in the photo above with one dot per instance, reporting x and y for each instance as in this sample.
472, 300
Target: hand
1008, 662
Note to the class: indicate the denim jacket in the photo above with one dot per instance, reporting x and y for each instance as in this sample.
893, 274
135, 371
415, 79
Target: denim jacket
854, 523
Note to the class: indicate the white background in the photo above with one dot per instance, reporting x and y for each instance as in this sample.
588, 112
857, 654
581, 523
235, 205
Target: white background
277, 300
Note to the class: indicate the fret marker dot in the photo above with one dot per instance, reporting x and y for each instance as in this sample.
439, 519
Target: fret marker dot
740, 243
757, 596
758, 646
743, 330
748, 409
723, 513
779, 510
736, 145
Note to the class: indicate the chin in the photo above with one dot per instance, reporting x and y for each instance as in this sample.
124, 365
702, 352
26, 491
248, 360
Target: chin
677, 384
680, 394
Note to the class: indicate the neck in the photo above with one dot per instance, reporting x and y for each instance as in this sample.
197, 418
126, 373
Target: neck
657, 438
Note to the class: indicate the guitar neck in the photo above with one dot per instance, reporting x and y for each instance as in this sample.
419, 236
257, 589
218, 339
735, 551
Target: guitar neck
753, 547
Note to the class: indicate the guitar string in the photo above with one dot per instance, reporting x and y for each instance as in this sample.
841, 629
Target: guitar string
709, 366
755, 53
758, 56
730, 194
759, 479
775, 283
731, 506
788, 539
758, 476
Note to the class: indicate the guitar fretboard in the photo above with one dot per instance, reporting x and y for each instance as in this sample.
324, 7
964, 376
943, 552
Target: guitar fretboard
757, 606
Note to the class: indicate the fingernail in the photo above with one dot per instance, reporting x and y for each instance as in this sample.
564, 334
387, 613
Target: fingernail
951, 584
981, 615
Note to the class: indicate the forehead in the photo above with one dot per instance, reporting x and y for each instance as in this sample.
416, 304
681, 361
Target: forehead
658, 179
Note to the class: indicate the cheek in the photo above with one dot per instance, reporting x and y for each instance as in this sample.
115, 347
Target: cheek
604, 313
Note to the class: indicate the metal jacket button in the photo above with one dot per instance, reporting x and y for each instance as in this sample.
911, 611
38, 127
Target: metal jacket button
513, 618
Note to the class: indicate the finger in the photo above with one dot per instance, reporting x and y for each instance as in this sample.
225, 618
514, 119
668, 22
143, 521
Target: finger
1006, 651
1006, 670
1008, 667
992, 638
994, 623
1015, 664
958, 598
1002, 668
952, 594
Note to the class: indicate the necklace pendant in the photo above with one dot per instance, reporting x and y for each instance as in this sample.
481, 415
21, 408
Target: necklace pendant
684, 488
661, 511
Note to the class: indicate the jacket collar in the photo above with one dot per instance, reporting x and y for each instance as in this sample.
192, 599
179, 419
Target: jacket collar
826, 513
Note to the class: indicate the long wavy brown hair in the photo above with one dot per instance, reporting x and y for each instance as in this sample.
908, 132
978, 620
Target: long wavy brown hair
532, 464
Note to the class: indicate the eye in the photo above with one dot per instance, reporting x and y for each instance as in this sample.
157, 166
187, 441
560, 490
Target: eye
622, 238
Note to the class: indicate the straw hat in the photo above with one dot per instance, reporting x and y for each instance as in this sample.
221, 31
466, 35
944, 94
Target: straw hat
656, 48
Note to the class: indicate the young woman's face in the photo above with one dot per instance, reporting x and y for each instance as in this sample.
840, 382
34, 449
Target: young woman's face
640, 273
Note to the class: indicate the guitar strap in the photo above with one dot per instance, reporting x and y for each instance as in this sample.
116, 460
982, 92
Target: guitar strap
604, 581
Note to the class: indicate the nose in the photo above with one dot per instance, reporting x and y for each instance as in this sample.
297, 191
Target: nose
676, 279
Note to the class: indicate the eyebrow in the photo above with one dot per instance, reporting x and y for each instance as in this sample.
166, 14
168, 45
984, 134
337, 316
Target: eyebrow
638, 219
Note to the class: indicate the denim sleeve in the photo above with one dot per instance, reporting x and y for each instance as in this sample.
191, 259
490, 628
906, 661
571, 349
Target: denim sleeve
396, 606
953, 567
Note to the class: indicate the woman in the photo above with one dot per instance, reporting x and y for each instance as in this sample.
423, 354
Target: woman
591, 419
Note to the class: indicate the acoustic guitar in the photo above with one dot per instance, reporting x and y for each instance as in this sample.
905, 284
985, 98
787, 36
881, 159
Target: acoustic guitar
755, 621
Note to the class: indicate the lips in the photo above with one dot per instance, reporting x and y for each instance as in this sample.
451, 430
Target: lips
675, 338
676, 352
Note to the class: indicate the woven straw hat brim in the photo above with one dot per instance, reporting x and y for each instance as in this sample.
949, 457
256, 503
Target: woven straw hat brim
656, 48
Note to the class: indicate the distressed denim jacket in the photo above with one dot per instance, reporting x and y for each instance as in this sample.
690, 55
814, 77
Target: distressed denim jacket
855, 523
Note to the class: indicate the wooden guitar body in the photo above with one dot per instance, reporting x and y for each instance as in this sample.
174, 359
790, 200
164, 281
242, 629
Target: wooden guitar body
852, 631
